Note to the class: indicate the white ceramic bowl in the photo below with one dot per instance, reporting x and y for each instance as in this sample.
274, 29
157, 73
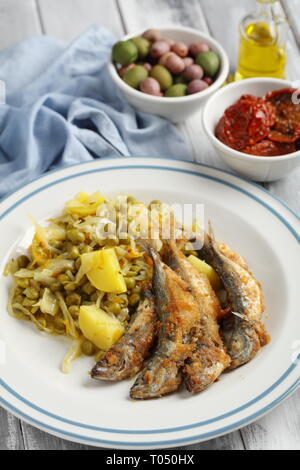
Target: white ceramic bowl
174, 109
249, 166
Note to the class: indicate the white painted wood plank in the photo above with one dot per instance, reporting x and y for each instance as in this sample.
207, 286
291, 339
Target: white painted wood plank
10, 432
279, 430
34, 439
66, 19
19, 20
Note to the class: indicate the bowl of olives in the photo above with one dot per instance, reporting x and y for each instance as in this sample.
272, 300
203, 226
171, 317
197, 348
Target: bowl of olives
169, 71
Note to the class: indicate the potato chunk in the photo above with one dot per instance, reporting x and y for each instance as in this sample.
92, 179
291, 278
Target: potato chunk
99, 327
206, 269
103, 270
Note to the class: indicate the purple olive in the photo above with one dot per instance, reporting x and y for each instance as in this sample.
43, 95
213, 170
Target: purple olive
147, 66
180, 49
195, 86
159, 48
188, 61
150, 86
125, 69
152, 35
193, 72
175, 64
170, 42
163, 59
198, 47
208, 80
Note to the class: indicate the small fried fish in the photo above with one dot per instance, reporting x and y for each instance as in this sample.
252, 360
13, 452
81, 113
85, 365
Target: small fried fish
177, 313
126, 357
209, 359
243, 333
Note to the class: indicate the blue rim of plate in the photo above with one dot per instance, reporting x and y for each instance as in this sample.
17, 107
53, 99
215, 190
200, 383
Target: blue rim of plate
165, 430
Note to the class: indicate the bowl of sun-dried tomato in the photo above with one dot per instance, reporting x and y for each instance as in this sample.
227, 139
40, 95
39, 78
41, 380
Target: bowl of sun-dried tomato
255, 126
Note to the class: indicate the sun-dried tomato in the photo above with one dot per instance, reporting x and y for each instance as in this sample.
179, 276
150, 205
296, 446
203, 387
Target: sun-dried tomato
287, 120
245, 122
268, 148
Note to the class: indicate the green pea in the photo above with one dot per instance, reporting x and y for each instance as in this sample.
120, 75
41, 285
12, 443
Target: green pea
28, 302
88, 348
73, 299
19, 299
112, 242
88, 288
135, 76
176, 91
114, 308
70, 286
32, 293
75, 236
59, 324
86, 249
63, 278
125, 52
23, 261
55, 286
23, 283
143, 46
163, 76
130, 282
74, 311
209, 61
134, 299
74, 252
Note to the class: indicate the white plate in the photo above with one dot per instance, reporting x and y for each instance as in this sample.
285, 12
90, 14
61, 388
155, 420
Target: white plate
75, 407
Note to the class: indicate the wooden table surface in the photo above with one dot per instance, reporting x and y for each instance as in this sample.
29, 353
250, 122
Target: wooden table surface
66, 19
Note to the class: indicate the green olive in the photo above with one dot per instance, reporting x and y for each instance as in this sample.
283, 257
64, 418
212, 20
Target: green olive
162, 75
135, 76
114, 308
134, 299
180, 79
73, 299
23, 261
32, 293
75, 236
74, 311
176, 91
88, 288
125, 52
143, 46
88, 348
209, 61
130, 282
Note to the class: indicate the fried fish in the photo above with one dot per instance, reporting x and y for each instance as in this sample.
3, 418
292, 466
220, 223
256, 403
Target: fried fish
125, 358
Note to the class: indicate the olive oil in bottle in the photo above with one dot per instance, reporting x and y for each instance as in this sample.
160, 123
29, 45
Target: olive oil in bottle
262, 43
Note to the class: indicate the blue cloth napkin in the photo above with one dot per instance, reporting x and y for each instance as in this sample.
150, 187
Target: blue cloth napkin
62, 108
